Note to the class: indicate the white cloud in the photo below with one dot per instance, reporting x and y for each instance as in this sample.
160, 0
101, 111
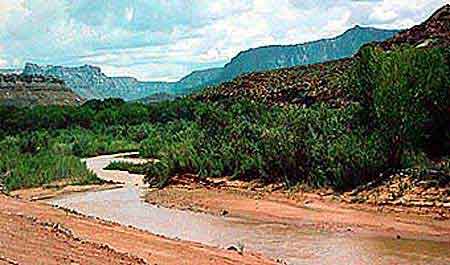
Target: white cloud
383, 15
3, 63
402, 13
155, 39
129, 13
11, 5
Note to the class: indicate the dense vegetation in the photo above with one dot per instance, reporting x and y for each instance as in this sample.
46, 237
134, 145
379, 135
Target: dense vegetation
22, 170
399, 118
401, 103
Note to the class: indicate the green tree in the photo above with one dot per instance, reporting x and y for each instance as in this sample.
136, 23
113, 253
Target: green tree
406, 92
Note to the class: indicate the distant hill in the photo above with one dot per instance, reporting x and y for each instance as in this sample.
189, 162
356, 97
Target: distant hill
305, 85
155, 98
89, 81
22, 90
199, 79
10, 71
283, 56
276, 57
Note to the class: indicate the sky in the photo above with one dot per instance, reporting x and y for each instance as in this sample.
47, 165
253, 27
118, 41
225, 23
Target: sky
167, 39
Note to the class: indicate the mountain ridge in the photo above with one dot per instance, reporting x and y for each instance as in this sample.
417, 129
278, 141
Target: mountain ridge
322, 50
322, 82
352, 29
435, 29
90, 82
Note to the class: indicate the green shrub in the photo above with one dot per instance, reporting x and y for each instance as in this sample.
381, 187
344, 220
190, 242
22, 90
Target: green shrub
25, 170
406, 93
87, 143
291, 145
130, 167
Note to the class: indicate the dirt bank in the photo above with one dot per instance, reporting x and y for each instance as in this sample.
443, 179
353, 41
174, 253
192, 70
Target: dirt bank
305, 210
51, 191
34, 233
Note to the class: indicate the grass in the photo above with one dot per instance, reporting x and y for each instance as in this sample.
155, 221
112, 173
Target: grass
27, 171
127, 166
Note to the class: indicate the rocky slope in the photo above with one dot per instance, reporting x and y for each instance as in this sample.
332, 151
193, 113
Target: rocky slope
90, 82
22, 90
410, 188
433, 32
304, 85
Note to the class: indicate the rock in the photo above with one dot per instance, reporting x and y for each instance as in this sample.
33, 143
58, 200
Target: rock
440, 217
422, 204
428, 183
224, 213
23, 90
239, 248
398, 237
307, 202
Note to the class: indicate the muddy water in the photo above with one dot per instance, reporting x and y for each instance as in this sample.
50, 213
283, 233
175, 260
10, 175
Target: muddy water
278, 241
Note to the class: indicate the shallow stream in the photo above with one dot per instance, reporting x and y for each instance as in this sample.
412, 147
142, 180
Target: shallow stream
277, 241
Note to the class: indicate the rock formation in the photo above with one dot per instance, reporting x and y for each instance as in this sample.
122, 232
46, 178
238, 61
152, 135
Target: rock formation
26, 90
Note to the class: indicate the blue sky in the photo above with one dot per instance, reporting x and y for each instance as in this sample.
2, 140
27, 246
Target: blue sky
167, 39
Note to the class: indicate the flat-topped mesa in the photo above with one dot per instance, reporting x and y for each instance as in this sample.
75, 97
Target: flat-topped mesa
90, 82
433, 32
31, 90
35, 69
31, 82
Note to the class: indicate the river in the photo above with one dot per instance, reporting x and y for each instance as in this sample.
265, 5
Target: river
288, 244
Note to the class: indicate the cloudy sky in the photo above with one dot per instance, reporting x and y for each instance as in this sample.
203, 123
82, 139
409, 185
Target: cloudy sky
167, 39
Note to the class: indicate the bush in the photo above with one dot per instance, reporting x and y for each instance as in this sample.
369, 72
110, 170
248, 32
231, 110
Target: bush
406, 93
25, 170
130, 167
319, 145
316, 145
347, 161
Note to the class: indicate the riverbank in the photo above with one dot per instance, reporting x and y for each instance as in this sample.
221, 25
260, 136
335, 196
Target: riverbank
57, 190
35, 233
200, 219
323, 212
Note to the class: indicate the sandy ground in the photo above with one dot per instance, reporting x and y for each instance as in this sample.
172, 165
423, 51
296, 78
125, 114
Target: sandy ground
302, 210
43, 193
34, 233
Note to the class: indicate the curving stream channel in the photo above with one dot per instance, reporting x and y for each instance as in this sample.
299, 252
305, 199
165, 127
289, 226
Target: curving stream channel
287, 244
